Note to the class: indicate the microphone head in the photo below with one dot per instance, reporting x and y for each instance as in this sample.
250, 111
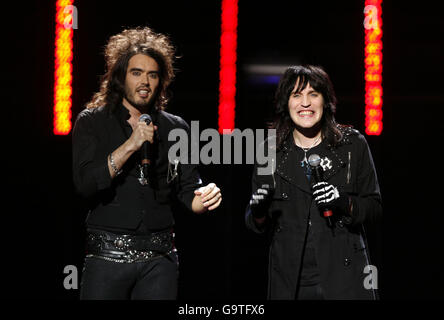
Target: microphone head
314, 160
145, 118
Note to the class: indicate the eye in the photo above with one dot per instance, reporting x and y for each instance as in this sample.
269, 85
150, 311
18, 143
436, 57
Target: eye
315, 94
154, 75
136, 73
296, 95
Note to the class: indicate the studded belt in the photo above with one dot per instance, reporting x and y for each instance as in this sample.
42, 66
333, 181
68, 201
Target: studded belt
128, 248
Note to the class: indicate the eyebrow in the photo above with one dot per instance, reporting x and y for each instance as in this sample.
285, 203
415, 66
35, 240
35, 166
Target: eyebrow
311, 91
141, 70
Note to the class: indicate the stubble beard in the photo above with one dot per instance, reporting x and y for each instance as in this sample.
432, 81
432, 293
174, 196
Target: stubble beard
143, 107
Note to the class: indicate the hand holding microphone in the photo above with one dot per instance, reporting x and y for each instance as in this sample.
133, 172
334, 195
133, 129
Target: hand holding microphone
146, 129
326, 195
143, 131
141, 138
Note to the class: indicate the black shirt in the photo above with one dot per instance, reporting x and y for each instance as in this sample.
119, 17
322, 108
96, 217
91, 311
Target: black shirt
122, 204
309, 272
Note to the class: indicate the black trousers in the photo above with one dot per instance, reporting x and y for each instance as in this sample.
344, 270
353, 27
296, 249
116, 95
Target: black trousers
313, 292
155, 279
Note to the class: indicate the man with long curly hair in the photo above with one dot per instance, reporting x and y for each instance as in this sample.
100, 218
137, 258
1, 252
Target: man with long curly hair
130, 249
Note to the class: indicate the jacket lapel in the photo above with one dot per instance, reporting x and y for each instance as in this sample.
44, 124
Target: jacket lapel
289, 168
331, 161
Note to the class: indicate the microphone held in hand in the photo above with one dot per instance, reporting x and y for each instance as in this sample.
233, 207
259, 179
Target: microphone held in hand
314, 161
145, 118
145, 149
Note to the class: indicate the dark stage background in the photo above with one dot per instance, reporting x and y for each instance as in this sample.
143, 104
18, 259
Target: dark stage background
43, 219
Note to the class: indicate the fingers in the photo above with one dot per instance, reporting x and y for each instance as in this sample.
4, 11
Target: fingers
214, 206
213, 203
145, 132
324, 189
325, 193
256, 200
319, 185
260, 196
210, 193
211, 196
264, 192
208, 189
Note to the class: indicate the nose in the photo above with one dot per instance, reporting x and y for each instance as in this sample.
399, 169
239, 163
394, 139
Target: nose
305, 101
144, 81
148, 80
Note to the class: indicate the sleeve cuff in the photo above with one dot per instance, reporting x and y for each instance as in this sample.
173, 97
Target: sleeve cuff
102, 176
353, 215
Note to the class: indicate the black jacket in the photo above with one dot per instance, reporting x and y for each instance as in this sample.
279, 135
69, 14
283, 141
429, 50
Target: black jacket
342, 256
122, 203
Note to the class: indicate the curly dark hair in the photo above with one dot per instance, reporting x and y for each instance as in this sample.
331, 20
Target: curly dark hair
119, 50
320, 81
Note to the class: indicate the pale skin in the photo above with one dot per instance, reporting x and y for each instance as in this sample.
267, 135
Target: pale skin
306, 108
141, 82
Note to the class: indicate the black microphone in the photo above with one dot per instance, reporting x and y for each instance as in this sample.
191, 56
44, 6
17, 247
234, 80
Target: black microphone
314, 161
145, 150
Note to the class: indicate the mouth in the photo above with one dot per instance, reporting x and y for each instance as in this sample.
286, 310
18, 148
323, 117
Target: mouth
306, 113
143, 93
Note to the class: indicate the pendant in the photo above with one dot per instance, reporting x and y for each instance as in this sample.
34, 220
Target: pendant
172, 173
142, 180
304, 161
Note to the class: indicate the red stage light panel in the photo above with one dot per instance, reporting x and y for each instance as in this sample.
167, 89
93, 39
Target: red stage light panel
227, 73
373, 67
63, 67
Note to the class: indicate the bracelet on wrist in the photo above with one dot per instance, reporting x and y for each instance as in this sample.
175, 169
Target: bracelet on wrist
113, 165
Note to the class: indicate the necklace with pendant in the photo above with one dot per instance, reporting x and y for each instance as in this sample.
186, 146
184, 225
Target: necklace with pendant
304, 160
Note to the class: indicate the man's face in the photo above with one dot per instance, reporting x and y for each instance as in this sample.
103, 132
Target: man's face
141, 82
305, 107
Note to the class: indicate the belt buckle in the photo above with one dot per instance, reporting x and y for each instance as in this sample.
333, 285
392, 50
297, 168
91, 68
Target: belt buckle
122, 243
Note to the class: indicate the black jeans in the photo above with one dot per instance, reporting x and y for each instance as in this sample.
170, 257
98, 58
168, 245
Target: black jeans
313, 292
155, 279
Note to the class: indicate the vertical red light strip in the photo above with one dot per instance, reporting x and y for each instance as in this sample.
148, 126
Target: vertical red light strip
227, 73
373, 67
63, 68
